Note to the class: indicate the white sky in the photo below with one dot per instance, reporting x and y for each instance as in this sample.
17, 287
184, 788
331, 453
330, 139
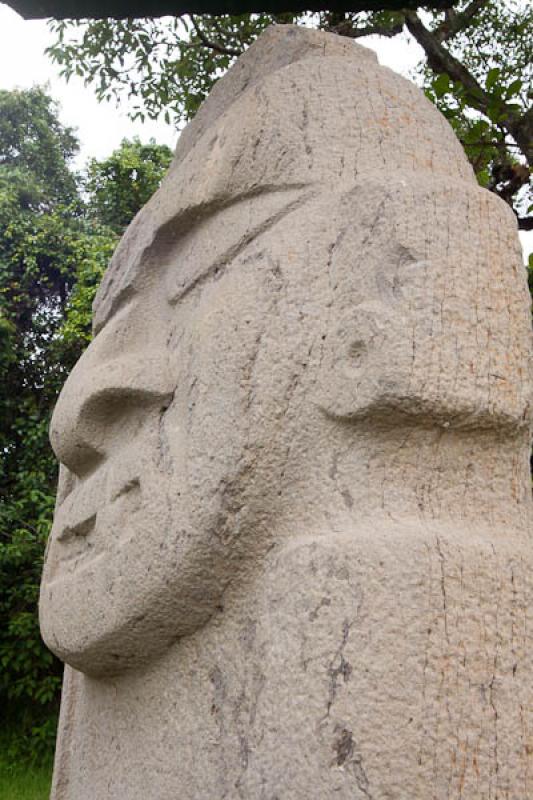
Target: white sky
101, 126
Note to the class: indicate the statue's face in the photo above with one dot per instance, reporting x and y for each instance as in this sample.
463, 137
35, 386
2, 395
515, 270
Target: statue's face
157, 430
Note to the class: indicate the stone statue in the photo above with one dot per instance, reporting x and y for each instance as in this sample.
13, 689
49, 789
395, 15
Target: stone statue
291, 556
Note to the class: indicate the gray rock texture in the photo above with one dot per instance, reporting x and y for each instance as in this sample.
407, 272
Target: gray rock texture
291, 557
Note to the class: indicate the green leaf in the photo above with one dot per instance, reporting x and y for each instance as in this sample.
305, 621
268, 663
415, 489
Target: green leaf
441, 85
514, 88
493, 76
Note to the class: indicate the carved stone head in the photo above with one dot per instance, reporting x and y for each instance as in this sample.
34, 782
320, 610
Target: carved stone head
292, 271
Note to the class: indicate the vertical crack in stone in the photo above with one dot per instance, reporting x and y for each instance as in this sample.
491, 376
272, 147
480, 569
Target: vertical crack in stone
339, 666
348, 757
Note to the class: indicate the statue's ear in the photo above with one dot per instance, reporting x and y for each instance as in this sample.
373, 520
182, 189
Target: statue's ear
378, 274
355, 370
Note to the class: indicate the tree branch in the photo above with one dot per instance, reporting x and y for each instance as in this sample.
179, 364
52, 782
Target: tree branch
454, 22
507, 179
519, 126
525, 223
521, 129
216, 46
441, 61
345, 28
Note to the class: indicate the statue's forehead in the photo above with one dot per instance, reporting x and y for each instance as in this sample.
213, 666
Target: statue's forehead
278, 47
277, 133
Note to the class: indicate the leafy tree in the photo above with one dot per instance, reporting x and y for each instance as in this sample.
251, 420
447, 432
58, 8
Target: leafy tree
477, 68
42, 239
120, 185
56, 237
37, 146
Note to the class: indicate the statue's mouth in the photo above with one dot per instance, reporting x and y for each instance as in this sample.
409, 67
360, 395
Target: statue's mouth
79, 540
77, 546
79, 531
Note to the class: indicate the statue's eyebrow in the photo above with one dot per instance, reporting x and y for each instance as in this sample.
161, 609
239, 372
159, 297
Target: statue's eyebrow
159, 254
291, 198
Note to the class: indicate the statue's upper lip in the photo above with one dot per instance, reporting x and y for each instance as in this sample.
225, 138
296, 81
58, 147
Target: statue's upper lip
81, 529
76, 545
81, 504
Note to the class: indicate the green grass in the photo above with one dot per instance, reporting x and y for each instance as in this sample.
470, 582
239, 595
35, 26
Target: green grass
24, 783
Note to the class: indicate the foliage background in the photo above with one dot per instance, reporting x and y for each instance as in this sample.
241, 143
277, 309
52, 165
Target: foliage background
57, 233
477, 68
58, 229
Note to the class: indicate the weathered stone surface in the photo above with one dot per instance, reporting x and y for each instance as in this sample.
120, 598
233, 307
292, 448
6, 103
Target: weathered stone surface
292, 549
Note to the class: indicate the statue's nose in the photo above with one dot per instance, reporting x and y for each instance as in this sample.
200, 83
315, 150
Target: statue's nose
103, 405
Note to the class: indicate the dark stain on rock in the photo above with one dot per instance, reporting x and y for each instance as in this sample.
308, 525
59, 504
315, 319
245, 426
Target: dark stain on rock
325, 601
348, 499
248, 634
343, 746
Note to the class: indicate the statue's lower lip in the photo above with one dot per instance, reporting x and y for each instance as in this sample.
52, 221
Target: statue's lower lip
72, 565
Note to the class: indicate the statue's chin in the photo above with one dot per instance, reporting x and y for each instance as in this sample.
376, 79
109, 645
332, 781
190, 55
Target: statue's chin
103, 632
120, 641
108, 650
125, 606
